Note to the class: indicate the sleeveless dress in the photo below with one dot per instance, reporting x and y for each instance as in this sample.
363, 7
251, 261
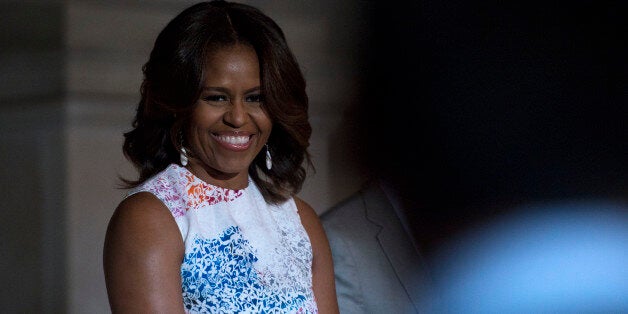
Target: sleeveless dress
242, 255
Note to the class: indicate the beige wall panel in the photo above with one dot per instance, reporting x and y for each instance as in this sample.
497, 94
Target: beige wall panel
94, 141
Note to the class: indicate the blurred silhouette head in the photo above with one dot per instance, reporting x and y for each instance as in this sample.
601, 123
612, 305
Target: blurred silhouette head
566, 256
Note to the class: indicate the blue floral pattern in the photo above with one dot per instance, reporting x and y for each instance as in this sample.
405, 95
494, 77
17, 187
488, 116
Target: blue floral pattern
218, 276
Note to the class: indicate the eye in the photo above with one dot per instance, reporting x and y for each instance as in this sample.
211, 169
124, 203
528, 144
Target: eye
254, 98
215, 98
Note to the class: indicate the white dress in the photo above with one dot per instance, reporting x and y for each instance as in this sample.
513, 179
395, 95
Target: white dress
242, 255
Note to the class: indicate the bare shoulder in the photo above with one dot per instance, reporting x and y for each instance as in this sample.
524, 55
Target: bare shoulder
311, 221
306, 211
312, 225
322, 265
143, 248
141, 224
141, 215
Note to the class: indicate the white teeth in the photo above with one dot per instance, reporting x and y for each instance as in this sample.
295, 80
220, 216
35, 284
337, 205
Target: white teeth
235, 140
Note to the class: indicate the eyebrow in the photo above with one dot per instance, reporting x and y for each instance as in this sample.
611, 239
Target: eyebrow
227, 91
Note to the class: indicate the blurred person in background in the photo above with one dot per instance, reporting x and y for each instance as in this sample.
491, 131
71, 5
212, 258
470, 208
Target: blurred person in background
473, 111
568, 256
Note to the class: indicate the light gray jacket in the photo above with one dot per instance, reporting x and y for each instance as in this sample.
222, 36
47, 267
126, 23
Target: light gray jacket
377, 268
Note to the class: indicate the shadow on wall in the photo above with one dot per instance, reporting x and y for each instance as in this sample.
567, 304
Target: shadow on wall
32, 155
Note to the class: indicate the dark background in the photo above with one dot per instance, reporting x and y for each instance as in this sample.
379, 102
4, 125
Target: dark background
477, 106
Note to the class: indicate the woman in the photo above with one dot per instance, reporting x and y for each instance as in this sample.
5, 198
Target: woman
220, 138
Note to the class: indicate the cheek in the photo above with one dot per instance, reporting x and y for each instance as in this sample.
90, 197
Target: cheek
195, 135
199, 126
264, 123
204, 119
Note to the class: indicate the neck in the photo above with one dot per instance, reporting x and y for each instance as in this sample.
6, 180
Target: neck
236, 181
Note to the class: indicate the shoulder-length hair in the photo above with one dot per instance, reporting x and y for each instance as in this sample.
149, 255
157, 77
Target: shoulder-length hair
172, 84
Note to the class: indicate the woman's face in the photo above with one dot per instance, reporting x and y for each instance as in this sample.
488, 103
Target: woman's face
229, 127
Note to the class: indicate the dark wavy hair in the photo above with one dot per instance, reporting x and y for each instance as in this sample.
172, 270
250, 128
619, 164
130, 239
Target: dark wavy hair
172, 84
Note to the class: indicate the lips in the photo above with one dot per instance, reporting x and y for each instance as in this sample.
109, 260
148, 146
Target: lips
233, 142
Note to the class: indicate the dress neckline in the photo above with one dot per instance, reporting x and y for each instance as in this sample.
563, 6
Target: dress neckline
189, 173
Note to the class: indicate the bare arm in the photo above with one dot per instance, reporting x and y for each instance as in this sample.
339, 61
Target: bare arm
322, 266
142, 258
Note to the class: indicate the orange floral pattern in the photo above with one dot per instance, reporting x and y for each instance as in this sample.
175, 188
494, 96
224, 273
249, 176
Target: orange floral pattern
181, 191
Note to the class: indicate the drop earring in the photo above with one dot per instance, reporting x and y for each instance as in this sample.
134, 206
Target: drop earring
269, 159
183, 156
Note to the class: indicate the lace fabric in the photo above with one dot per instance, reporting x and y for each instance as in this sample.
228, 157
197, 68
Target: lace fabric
242, 255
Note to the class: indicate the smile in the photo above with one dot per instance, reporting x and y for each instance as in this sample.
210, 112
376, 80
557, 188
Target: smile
234, 142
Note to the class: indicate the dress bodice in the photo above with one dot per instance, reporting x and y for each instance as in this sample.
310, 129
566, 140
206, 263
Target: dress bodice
242, 255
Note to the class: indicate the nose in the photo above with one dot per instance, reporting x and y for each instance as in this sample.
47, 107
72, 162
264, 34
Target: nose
236, 115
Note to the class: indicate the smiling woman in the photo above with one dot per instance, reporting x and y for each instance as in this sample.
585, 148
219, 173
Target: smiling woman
229, 126
220, 140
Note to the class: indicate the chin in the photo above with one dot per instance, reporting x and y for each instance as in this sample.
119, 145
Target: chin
234, 169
